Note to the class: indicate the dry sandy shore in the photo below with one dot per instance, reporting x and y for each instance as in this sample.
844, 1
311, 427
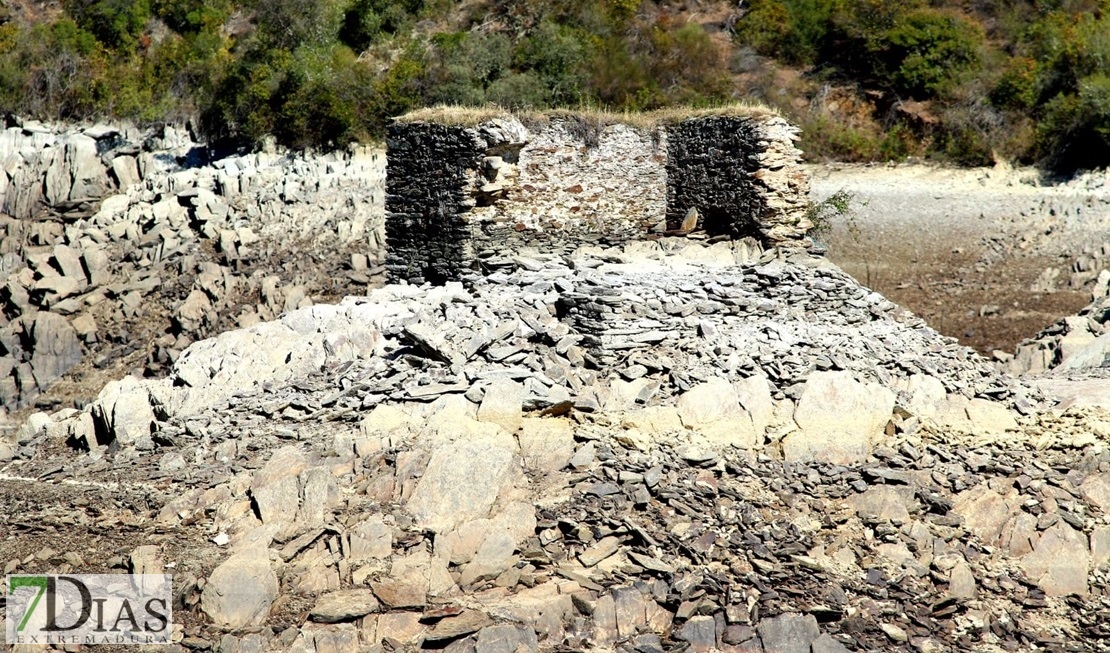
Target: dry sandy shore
988, 255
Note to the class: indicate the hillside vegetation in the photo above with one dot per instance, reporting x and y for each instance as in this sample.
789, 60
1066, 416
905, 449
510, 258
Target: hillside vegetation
966, 82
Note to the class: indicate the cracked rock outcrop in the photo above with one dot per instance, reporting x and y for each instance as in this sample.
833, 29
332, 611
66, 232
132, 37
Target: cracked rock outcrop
119, 248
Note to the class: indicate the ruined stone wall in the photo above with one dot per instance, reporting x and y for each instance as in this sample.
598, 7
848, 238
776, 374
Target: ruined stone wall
427, 197
571, 183
463, 197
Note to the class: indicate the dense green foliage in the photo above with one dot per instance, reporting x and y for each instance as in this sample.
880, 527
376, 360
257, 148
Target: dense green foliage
1026, 80
1036, 88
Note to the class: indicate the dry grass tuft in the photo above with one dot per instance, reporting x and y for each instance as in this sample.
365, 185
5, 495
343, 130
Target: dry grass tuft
456, 116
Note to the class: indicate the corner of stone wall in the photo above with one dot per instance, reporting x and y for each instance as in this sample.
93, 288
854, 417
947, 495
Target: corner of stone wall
433, 178
781, 183
742, 174
499, 142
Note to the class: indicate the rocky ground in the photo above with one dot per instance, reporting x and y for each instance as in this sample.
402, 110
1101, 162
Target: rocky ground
673, 445
119, 248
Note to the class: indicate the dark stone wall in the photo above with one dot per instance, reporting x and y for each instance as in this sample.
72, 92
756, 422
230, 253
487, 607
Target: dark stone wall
710, 166
426, 201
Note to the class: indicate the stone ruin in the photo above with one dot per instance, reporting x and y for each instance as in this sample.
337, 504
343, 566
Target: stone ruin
466, 186
664, 445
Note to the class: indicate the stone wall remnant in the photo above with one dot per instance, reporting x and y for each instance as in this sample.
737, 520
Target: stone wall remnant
467, 188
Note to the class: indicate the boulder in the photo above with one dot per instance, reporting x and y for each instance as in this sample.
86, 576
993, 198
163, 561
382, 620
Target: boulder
126, 171
371, 539
840, 419
461, 483
123, 410
55, 349
506, 638
989, 417
984, 512
546, 444
713, 409
788, 633
1060, 561
343, 605
240, 591
502, 404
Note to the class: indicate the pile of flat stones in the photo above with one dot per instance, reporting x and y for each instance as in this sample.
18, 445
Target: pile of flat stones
606, 328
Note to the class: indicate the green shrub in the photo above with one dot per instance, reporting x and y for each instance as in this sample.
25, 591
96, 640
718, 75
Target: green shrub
824, 138
686, 65
1016, 88
51, 70
397, 90
368, 21
926, 49
463, 66
290, 24
192, 16
767, 28
618, 78
115, 23
519, 91
557, 55
792, 30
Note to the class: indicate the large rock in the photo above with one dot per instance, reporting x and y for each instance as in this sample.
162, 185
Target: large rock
1096, 489
461, 483
506, 639
343, 605
74, 173
923, 394
502, 404
984, 512
754, 393
276, 488
1059, 562
55, 347
789, 633
713, 409
840, 419
299, 343
239, 592
546, 444
123, 411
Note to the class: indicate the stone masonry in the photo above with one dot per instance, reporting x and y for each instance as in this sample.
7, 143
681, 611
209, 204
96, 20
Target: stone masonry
465, 194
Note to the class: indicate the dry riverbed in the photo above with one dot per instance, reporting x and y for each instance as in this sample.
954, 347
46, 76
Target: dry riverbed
989, 256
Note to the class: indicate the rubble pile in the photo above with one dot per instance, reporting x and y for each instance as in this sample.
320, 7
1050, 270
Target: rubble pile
1077, 343
121, 248
672, 445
